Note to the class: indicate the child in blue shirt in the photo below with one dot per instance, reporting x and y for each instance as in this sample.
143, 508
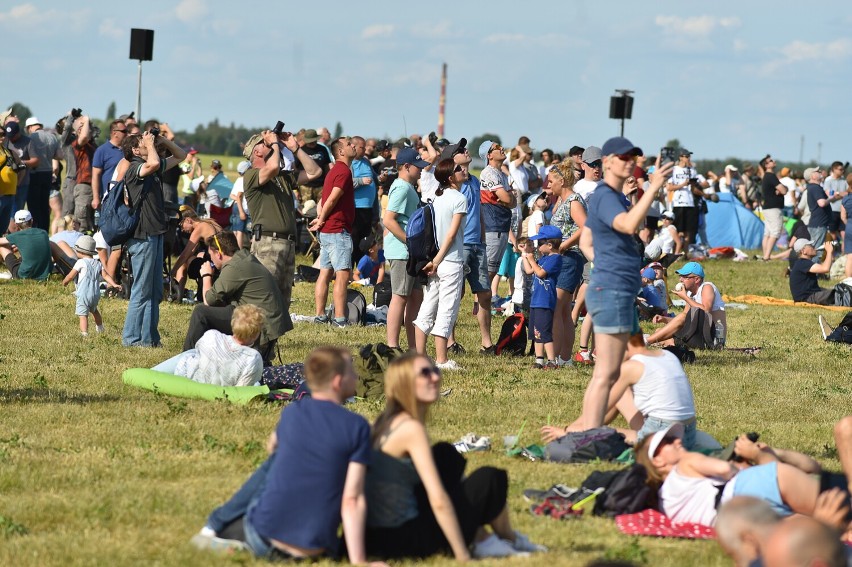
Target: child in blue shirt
371, 266
543, 300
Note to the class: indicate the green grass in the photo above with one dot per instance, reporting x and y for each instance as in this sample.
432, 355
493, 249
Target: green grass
93, 472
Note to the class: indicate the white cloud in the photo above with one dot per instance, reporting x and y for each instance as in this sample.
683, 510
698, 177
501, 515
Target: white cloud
695, 32
440, 30
504, 38
377, 30
799, 51
740, 45
191, 10
24, 14
109, 28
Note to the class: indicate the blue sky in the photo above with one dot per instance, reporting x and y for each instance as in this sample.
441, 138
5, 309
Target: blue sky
726, 78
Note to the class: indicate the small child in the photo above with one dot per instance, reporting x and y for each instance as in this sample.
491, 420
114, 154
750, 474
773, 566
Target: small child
87, 270
371, 266
654, 303
523, 280
659, 279
543, 300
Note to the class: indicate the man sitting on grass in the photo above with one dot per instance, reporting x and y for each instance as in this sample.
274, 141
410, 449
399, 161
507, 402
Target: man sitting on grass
36, 251
803, 274
695, 327
292, 506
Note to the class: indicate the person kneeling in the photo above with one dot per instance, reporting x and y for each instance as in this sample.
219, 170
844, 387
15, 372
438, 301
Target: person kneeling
221, 359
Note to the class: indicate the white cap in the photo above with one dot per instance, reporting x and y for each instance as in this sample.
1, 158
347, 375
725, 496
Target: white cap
23, 216
32, 120
196, 183
673, 430
243, 166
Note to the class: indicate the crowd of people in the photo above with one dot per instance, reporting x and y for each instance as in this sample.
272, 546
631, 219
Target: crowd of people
583, 240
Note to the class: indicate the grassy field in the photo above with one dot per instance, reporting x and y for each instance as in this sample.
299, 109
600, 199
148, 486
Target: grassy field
93, 472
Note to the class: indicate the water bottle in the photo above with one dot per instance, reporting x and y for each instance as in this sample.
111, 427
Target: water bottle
97, 218
719, 335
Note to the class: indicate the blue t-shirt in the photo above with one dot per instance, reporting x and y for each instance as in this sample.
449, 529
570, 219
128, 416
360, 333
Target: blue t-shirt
544, 289
403, 200
617, 261
369, 269
650, 294
107, 157
473, 224
365, 195
300, 503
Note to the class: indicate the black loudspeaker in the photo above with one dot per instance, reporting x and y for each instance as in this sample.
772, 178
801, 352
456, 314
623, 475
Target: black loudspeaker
621, 107
141, 44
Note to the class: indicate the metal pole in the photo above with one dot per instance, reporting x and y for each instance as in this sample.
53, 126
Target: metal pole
139, 94
622, 125
442, 101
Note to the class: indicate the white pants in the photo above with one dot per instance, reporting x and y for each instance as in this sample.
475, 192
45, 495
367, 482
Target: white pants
441, 298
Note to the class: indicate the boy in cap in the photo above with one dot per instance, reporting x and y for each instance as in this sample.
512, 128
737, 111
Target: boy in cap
543, 300
87, 271
371, 266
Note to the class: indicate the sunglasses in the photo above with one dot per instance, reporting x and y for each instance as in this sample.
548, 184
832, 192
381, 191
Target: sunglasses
458, 169
429, 371
595, 164
496, 148
626, 157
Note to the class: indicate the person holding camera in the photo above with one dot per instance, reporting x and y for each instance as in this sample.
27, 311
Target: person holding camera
803, 274
84, 152
685, 188
143, 182
269, 191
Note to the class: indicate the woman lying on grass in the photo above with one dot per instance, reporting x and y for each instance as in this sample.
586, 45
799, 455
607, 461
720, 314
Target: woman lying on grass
418, 504
652, 393
692, 486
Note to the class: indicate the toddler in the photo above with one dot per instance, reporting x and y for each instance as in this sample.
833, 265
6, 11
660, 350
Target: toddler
87, 270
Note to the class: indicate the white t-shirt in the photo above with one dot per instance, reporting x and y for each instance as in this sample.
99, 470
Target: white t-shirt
585, 188
452, 202
239, 192
428, 185
666, 239
791, 190
520, 177
219, 359
682, 197
536, 219
518, 295
663, 391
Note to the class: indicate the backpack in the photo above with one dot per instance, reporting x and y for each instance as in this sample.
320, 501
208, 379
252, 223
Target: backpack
370, 365
843, 295
118, 222
421, 239
356, 308
513, 336
382, 292
843, 332
602, 443
625, 491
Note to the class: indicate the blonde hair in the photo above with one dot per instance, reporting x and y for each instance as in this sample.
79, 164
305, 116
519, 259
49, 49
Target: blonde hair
655, 477
565, 170
246, 322
400, 392
68, 221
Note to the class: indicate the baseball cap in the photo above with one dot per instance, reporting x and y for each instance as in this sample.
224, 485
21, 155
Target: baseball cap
785, 171
649, 273
620, 145
216, 163
410, 156
32, 121
366, 243
310, 136
382, 145
668, 215
12, 129
591, 154
191, 151
684, 152
732, 167
547, 232
655, 265
484, 148
576, 151
691, 269
243, 166
249, 147
810, 171
801, 243
23, 216
453, 149
674, 430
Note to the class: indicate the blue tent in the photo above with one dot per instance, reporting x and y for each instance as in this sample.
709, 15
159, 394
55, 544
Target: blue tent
729, 223
223, 187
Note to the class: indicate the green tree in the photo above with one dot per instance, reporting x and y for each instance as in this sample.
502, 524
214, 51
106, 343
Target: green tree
673, 143
110, 115
473, 145
22, 111
338, 131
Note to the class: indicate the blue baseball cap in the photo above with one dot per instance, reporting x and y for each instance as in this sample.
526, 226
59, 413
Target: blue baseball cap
691, 269
649, 273
619, 145
484, 148
410, 156
546, 232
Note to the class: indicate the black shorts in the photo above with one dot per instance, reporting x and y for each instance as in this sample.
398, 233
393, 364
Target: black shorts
834, 224
697, 330
686, 221
541, 325
13, 263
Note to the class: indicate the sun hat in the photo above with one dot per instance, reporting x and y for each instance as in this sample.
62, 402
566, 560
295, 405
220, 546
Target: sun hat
86, 245
674, 430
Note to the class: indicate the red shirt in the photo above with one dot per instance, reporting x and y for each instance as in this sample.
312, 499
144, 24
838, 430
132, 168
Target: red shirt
343, 215
83, 155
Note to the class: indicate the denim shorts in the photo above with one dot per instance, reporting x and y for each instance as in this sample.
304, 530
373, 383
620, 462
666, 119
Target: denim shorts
476, 267
761, 482
654, 424
335, 251
572, 271
613, 311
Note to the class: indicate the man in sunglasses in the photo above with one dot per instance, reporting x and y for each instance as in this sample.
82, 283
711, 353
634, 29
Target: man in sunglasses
592, 166
685, 188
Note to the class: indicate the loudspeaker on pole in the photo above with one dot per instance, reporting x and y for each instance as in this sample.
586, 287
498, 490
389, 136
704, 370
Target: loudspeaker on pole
141, 44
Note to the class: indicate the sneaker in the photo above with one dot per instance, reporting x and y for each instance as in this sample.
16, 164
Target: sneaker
583, 356
339, 323
488, 350
449, 365
551, 365
322, 319
824, 327
538, 365
493, 546
456, 348
523, 543
207, 539
84, 334
563, 363
555, 491
471, 442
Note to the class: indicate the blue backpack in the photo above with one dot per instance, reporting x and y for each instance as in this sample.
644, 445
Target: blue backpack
421, 239
118, 221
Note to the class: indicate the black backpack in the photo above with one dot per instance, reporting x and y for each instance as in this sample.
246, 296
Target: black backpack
513, 336
382, 292
843, 332
625, 491
421, 240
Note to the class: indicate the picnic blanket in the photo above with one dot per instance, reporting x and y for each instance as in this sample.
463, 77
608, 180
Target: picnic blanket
181, 387
652, 523
765, 300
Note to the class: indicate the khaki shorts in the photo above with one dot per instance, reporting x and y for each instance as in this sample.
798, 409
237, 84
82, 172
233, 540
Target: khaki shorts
773, 224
